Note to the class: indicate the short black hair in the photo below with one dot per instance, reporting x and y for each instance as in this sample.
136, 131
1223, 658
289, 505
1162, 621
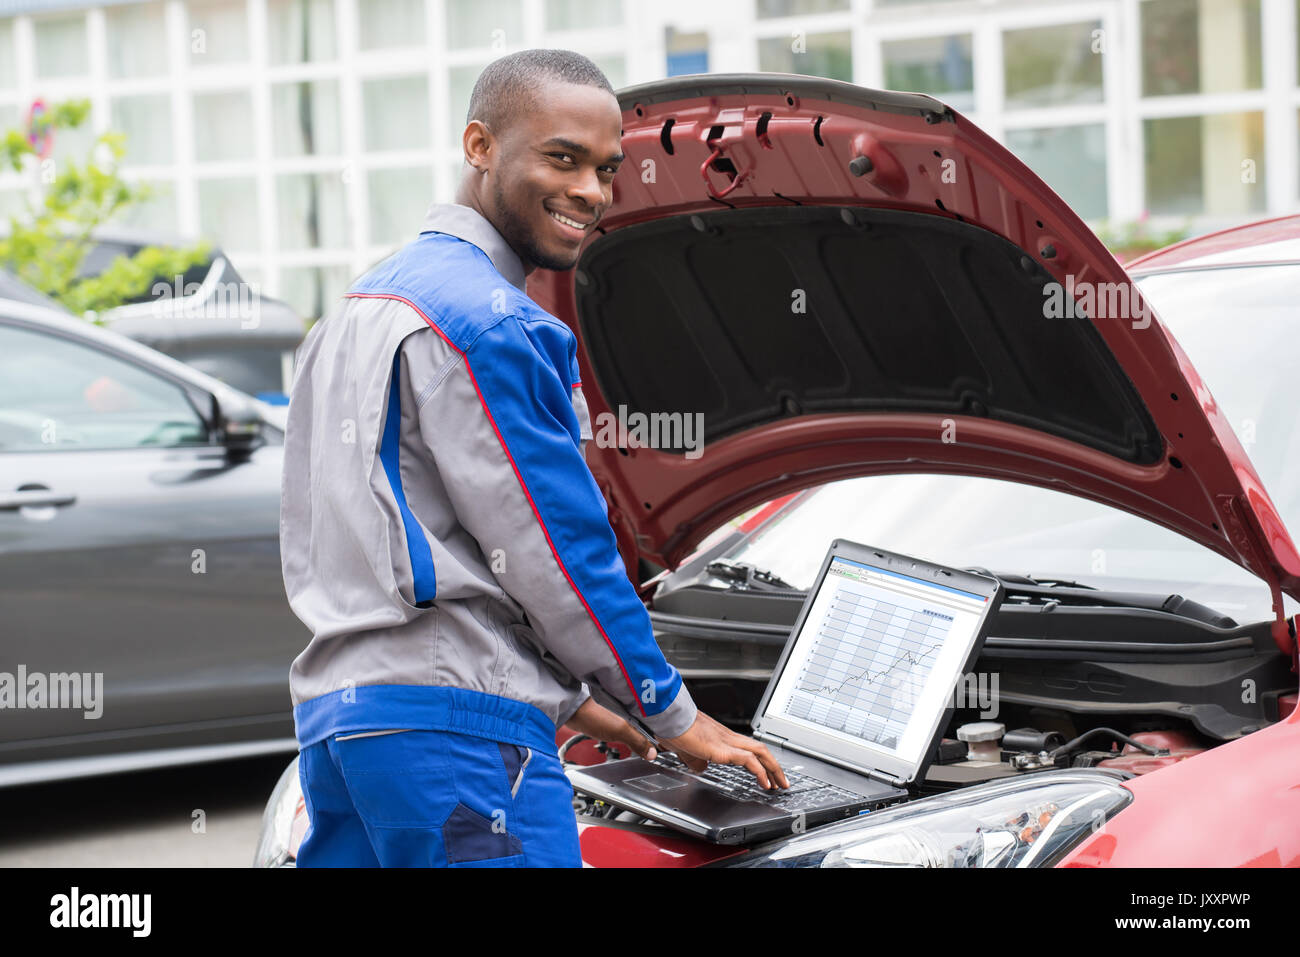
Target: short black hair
505, 87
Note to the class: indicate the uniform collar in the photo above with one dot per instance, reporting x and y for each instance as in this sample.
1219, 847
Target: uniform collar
470, 225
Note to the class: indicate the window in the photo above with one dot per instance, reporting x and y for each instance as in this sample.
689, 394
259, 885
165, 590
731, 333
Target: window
1211, 165
59, 394
820, 54
218, 32
61, 46
137, 40
390, 23
1046, 66
305, 118
396, 112
940, 66
223, 126
686, 52
1071, 160
158, 212
313, 290
482, 23
312, 211
789, 8
147, 123
583, 14
460, 82
399, 198
300, 31
1191, 46
228, 212
8, 73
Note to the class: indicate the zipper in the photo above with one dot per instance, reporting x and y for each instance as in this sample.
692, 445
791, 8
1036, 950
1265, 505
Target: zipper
367, 734
519, 778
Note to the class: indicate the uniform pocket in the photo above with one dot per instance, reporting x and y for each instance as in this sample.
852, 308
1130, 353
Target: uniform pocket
469, 837
516, 758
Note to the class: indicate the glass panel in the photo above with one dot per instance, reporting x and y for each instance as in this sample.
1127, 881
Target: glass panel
940, 66
305, 118
312, 211
1071, 160
228, 212
460, 82
481, 23
583, 14
158, 213
1050, 65
147, 123
821, 54
789, 8
390, 23
1200, 46
614, 67
218, 32
399, 198
686, 52
396, 111
9, 119
8, 74
61, 46
1205, 164
137, 40
74, 144
313, 290
57, 394
223, 126
300, 31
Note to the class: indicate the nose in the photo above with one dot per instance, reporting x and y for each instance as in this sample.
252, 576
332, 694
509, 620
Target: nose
587, 187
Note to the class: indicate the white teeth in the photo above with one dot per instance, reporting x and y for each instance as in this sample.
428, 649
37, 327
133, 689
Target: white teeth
566, 220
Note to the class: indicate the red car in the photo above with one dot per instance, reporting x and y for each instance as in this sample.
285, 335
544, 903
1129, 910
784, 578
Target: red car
850, 313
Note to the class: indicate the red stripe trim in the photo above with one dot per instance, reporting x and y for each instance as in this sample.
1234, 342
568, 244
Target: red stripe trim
522, 484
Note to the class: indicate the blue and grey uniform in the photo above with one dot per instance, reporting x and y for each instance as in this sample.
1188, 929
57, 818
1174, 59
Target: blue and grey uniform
444, 541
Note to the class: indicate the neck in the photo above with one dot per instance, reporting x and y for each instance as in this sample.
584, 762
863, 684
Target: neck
468, 195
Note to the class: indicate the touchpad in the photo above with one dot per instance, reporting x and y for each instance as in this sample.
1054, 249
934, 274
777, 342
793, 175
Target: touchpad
655, 782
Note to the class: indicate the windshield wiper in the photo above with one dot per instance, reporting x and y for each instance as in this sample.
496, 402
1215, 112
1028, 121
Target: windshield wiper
1023, 590
745, 575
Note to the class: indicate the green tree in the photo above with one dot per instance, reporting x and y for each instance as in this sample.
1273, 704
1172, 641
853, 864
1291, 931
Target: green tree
47, 242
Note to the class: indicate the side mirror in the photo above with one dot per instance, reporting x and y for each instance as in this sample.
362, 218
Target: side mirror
239, 424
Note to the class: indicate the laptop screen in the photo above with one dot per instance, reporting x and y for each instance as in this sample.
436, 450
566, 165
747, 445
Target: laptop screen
875, 665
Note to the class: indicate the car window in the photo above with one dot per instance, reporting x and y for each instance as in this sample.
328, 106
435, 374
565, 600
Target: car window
60, 394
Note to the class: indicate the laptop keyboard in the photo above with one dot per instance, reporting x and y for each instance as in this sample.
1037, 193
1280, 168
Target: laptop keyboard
805, 792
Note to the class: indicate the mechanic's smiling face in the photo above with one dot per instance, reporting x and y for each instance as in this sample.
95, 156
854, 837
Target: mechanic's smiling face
549, 175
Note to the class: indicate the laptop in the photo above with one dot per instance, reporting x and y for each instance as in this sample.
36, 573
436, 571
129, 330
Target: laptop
853, 712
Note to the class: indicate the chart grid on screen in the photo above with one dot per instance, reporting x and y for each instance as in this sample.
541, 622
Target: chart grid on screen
868, 664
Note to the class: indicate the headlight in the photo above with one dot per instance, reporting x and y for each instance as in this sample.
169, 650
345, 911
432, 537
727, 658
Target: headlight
1030, 821
277, 844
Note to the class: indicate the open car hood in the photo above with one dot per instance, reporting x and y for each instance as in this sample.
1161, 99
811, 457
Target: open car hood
839, 282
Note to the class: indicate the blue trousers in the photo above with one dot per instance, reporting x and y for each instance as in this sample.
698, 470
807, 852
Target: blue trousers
418, 798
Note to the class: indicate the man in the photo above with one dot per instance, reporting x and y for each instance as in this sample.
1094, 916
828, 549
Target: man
441, 534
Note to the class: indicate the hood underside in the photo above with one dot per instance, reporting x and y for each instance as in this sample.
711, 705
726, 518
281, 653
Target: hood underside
836, 282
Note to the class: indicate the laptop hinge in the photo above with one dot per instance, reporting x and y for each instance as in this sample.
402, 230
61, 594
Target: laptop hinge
892, 780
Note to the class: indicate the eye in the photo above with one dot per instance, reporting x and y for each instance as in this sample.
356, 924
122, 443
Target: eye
563, 156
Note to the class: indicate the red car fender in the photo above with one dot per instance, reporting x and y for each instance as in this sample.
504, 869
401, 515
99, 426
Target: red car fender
1237, 805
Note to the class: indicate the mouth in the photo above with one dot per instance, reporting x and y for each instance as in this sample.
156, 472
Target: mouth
574, 229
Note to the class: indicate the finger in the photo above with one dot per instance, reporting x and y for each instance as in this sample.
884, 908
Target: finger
692, 761
764, 756
748, 760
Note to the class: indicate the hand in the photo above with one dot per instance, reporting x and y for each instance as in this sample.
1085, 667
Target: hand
602, 724
707, 740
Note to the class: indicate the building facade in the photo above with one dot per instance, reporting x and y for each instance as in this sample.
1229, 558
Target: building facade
308, 137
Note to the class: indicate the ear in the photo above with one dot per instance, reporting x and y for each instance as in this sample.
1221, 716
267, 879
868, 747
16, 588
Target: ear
478, 142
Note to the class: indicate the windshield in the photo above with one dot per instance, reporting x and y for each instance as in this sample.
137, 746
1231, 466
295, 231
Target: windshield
1236, 327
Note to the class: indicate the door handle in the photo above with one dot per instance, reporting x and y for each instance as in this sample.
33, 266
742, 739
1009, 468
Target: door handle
23, 498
